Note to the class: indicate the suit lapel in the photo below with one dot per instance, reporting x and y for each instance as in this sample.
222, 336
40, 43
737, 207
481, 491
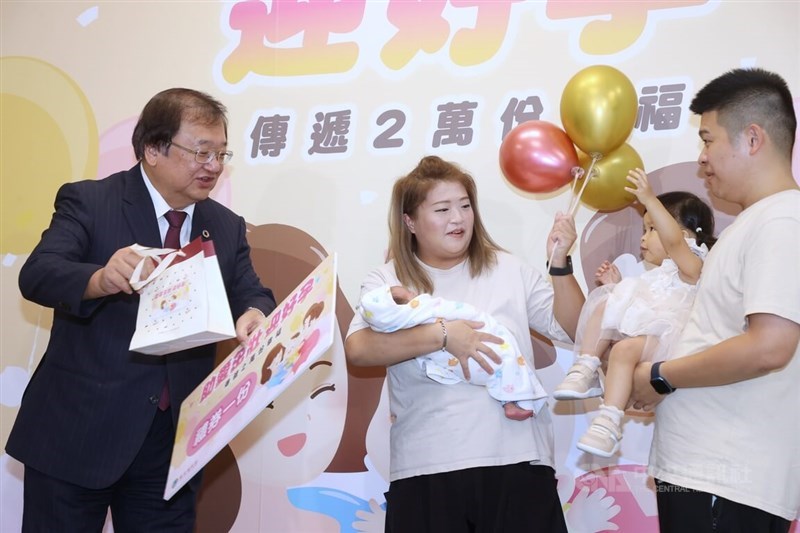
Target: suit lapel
141, 215
138, 209
202, 221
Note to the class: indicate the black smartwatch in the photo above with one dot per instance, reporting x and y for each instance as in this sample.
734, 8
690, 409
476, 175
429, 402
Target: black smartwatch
560, 271
659, 382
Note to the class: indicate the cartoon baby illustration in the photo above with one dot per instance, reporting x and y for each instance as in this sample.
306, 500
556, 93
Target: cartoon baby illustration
308, 344
274, 358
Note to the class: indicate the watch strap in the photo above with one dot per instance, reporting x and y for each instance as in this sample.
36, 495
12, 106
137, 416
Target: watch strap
659, 382
560, 271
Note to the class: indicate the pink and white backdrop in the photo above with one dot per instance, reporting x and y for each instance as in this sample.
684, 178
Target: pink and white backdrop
329, 102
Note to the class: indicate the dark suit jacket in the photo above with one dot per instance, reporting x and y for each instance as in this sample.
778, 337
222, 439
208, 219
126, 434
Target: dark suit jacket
90, 402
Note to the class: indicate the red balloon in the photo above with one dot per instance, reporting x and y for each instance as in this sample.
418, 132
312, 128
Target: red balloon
538, 156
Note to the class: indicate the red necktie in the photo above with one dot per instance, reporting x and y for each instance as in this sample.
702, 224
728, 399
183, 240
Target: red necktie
171, 240
175, 220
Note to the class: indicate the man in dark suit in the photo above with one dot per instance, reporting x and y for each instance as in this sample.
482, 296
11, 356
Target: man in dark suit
97, 422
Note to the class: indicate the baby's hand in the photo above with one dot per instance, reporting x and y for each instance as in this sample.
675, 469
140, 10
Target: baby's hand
641, 187
607, 273
401, 295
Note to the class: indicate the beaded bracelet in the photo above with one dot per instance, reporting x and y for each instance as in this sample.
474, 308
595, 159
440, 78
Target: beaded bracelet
444, 334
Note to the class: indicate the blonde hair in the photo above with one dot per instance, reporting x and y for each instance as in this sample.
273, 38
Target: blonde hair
408, 193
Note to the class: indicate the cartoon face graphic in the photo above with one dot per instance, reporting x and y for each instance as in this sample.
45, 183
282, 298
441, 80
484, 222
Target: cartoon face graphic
296, 437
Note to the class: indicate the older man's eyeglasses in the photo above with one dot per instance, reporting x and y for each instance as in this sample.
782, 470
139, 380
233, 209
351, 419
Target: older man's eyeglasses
205, 156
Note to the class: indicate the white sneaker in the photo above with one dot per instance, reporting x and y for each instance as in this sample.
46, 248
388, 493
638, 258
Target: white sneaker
580, 383
602, 438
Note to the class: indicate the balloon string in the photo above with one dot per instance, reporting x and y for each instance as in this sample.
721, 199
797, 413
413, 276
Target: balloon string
577, 173
576, 199
552, 253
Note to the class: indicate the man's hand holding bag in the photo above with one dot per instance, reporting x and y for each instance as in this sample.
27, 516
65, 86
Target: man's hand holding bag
182, 303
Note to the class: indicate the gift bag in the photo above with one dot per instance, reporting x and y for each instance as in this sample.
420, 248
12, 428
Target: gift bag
183, 303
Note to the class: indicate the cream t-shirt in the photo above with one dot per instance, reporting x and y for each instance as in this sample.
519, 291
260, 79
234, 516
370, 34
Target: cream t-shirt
740, 441
445, 428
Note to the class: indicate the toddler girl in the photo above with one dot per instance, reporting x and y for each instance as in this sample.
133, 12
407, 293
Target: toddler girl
638, 318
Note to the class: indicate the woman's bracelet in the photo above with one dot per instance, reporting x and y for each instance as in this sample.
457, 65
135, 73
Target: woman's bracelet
444, 334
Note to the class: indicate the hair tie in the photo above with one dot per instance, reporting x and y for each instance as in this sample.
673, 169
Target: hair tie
698, 230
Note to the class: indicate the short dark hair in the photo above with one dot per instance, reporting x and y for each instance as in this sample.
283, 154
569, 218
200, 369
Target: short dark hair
751, 95
692, 213
163, 115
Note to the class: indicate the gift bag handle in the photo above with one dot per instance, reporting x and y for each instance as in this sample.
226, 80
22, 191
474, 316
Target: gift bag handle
162, 256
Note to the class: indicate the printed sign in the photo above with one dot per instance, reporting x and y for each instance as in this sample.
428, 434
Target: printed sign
293, 337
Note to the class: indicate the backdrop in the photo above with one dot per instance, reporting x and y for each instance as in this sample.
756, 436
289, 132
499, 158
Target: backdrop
331, 101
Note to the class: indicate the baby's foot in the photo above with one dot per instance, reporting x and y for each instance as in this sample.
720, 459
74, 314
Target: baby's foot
580, 383
602, 438
515, 412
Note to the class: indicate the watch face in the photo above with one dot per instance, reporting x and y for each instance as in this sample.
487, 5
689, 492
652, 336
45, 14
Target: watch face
660, 385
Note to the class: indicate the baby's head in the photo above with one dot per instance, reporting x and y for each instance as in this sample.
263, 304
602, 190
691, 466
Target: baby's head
693, 214
401, 295
694, 217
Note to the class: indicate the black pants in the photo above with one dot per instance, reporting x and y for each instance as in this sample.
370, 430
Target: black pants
517, 498
682, 510
136, 500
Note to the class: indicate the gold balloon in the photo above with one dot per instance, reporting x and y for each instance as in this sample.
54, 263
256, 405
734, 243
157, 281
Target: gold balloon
606, 188
598, 109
